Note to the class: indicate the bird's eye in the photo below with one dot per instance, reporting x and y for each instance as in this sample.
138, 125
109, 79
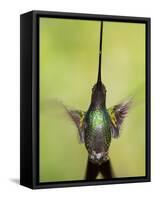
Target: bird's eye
93, 88
104, 92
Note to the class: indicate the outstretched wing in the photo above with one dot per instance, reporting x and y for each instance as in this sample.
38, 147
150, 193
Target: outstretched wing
117, 115
78, 118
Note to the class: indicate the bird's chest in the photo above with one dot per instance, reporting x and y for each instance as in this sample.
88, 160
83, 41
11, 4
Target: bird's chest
98, 133
98, 120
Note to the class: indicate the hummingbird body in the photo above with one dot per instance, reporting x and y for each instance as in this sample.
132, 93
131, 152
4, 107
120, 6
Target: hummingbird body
97, 134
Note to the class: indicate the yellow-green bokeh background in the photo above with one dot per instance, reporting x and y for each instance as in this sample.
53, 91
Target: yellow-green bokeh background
68, 69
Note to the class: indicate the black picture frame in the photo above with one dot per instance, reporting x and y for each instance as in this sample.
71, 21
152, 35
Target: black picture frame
29, 98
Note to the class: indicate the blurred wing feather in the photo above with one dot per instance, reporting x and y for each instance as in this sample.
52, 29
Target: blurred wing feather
117, 115
78, 118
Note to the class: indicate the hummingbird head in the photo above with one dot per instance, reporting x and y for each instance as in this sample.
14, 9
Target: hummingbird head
98, 97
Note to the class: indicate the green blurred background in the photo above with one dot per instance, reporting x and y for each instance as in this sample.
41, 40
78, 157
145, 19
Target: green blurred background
68, 70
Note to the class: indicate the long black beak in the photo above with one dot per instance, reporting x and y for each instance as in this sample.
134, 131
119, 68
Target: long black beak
100, 55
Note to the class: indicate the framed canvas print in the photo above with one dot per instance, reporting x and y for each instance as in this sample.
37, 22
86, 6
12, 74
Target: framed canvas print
85, 99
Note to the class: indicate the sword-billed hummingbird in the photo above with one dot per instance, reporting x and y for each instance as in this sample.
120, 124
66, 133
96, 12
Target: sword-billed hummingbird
99, 124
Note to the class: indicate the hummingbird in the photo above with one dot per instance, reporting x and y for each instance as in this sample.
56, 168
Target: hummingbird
99, 124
